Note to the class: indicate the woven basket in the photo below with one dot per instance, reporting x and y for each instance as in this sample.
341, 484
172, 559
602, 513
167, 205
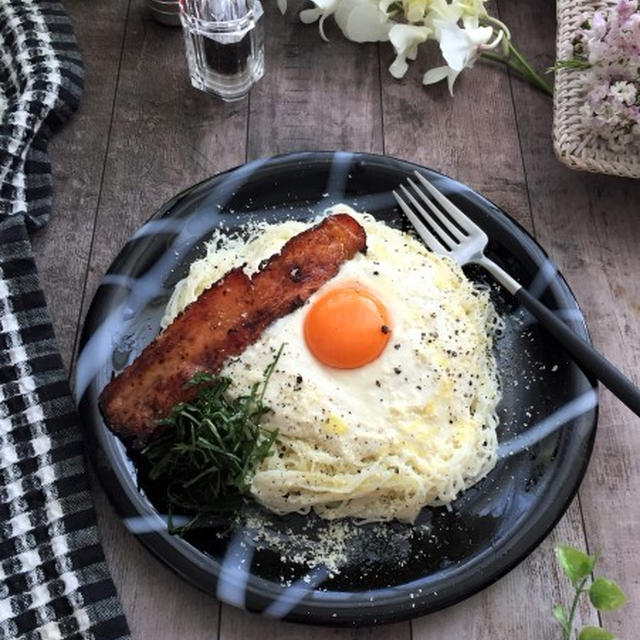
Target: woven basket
573, 142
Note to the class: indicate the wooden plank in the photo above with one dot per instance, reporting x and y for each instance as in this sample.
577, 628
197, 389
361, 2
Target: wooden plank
589, 224
165, 137
474, 138
62, 247
237, 625
314, 94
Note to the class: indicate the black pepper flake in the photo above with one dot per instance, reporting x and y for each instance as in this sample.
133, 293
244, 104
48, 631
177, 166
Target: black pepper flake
396, 346
385, 329
397, 370
378, 383
376, 273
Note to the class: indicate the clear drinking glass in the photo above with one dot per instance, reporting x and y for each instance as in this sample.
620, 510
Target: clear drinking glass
224, 41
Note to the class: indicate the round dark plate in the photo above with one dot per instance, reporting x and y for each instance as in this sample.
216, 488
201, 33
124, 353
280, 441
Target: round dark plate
404, 571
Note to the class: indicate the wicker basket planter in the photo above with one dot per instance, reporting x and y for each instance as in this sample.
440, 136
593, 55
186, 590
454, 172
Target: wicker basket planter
573, 142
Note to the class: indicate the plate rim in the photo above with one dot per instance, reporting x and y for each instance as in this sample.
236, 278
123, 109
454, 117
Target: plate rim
158, 541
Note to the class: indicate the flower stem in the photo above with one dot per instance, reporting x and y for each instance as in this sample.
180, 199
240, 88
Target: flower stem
516, 61
572, 612
540, 81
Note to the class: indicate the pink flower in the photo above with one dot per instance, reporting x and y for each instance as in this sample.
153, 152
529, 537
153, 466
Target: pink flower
611, 44
626, 8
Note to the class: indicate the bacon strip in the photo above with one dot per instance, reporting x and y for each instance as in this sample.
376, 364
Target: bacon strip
223, 322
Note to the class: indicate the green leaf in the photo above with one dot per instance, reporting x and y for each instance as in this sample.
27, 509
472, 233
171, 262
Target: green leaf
576, 564
561, 615
606, 595
595, 633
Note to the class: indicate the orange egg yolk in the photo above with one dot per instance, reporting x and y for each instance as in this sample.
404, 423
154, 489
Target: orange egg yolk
347, 328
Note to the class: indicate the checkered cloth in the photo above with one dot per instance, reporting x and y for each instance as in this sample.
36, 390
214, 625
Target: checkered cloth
53, 579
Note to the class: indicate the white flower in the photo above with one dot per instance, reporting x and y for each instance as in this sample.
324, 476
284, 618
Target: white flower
405, 39
460, 48
440, 11
624, 91
322, 10
440, 73
362, 20
414, 10
474, 8
454, 24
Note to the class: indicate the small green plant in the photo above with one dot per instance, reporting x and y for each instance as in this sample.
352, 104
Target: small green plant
604, 594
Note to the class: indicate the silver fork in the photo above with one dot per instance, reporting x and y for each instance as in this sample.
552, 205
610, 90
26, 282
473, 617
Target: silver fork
448, 231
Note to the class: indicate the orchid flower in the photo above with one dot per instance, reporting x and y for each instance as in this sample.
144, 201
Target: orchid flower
405, 39
473, 8
322, 10
359, 20
414, 10
460, 49
463, 29
441, 11
362, 20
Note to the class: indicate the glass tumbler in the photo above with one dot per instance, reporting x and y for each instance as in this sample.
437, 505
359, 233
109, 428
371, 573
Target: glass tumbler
224, 41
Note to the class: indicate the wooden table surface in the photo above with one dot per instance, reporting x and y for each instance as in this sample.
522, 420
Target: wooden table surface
142, 134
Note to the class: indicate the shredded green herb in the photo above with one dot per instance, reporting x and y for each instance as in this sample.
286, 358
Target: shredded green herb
207, 450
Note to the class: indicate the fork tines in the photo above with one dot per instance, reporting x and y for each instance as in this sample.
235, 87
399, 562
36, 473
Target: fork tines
441, 224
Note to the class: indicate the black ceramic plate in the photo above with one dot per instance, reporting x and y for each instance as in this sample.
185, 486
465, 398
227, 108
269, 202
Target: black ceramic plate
400, 572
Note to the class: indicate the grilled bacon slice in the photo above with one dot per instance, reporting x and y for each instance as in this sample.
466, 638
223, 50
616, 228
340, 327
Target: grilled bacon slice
228, 317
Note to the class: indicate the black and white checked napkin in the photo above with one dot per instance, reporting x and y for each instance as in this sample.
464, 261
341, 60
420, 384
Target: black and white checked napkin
54, 583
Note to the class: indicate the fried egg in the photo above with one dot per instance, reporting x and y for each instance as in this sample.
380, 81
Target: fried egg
384, 395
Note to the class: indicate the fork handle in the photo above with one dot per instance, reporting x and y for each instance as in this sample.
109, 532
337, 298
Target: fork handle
583, 353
